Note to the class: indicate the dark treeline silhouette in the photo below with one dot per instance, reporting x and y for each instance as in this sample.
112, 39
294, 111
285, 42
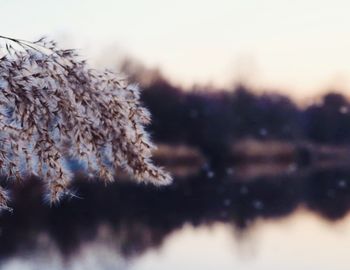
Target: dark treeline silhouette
213, 119
141, 217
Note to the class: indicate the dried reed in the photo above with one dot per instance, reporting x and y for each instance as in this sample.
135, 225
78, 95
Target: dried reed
53, 108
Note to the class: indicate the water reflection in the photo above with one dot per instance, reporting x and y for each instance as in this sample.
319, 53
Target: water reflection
301, 241
115, 225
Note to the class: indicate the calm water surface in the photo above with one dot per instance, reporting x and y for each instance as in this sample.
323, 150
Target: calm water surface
297, 221
302, 241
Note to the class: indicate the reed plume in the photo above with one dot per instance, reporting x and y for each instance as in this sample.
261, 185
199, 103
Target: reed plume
53, 107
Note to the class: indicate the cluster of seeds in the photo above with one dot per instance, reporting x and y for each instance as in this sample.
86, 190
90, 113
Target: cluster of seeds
54, 108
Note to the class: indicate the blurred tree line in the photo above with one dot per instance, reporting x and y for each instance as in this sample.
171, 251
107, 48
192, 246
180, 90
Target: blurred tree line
212, 119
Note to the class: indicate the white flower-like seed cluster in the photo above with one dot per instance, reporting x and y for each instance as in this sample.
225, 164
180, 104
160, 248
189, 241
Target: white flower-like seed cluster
53, 108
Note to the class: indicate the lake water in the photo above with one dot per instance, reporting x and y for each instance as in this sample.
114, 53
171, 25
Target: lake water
292, 221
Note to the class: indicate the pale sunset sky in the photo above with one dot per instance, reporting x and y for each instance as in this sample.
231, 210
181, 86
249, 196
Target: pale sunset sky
299, 47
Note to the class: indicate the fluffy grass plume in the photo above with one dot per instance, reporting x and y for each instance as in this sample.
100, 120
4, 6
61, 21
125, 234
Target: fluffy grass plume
53, 107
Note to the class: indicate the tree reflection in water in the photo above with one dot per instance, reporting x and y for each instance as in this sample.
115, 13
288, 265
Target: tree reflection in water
140, 217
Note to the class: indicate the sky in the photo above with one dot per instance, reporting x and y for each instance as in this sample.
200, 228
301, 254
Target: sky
298, 47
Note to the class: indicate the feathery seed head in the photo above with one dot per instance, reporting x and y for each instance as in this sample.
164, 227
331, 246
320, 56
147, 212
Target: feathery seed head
52, 105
